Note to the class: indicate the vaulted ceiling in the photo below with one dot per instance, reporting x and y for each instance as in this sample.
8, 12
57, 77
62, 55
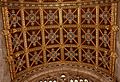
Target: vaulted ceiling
54, 32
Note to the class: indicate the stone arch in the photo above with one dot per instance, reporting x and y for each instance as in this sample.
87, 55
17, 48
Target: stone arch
70, 69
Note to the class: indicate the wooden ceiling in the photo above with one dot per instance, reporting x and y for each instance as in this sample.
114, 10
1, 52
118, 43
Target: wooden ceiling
64, 31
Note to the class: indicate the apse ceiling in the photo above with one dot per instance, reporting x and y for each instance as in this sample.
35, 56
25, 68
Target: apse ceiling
62, 31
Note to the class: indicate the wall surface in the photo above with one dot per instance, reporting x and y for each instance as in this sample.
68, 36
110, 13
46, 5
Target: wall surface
118, 47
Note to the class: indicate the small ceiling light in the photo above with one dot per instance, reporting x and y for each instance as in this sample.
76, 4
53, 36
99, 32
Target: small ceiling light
62, 76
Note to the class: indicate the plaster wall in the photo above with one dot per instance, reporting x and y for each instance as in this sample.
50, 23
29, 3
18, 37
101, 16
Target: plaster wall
118, 47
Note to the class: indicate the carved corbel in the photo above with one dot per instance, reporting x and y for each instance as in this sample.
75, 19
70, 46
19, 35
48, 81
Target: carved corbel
5, 32
115, 28
9, 59
114, 55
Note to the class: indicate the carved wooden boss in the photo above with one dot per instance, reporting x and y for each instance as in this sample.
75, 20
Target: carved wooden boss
60, 40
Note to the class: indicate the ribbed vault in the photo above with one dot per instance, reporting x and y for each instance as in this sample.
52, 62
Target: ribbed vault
55, 37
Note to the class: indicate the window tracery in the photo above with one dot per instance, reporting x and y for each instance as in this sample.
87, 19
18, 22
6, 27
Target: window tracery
65, 78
